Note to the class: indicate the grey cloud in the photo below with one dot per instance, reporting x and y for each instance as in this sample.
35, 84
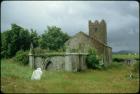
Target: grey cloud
122, 18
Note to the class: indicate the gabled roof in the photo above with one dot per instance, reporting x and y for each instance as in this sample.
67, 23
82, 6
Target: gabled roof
78, 34
82, 33
99, 42
87, 36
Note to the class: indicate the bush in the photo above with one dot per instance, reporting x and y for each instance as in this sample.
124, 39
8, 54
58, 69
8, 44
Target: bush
92, 60
118, 60
22, 57
136, 67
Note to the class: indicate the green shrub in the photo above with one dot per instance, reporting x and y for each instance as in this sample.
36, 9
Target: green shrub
38, 51
22, 57
92, 60
136, 67
118, 60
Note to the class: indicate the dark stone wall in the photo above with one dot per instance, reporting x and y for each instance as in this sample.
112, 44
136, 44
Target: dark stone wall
71, 62
98, 33
98, 30
104, 51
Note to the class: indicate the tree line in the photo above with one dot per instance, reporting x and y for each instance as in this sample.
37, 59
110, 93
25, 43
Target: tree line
18, 38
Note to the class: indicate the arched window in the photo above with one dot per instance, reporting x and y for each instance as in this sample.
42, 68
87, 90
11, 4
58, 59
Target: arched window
48, 63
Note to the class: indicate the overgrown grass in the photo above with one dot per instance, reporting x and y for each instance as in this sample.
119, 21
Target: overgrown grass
15, 78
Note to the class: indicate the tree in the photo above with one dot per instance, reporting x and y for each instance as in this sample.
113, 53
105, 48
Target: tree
21, 38
6, 38
3, 45
14, 40
18, 38
34, 38
24, 39
53, 38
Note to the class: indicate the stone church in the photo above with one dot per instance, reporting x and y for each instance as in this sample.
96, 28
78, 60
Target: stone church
74, 59
97, 38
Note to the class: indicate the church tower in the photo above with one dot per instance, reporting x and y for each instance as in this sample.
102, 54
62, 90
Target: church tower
98, 31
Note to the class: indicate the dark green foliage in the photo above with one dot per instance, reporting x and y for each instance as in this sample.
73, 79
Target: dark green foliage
138, 59
22, 57
53, 38
5, 42
14, 40
18, 38
40, 51
118, 60
93, 60
34, 38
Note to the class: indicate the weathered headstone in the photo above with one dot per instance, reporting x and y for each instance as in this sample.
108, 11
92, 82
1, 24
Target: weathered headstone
36, 74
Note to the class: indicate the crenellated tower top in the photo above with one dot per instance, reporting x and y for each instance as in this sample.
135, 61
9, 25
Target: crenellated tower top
98, 30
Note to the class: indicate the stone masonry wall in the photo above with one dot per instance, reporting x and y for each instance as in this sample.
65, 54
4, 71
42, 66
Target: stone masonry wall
98, 31
104, 51
67, 62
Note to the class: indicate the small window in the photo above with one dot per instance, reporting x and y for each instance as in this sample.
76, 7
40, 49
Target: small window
95, 29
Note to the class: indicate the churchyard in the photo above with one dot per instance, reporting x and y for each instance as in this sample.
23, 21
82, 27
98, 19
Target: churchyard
16, 78
68, 47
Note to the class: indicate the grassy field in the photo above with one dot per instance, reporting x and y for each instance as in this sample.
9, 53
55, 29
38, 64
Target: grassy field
125, 56
15, 78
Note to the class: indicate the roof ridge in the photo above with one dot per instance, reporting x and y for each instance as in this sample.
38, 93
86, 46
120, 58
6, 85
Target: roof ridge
99, 41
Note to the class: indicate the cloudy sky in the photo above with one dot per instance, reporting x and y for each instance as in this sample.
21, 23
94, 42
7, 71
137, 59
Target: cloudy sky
122, 18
